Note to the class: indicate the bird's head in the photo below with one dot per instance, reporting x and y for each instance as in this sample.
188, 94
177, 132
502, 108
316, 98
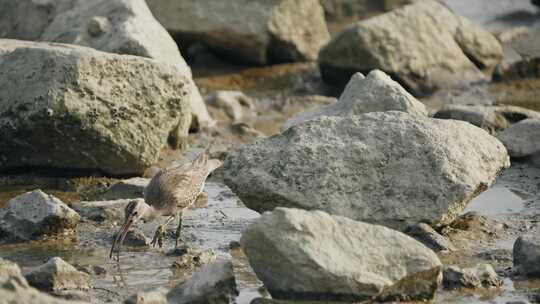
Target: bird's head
134, 211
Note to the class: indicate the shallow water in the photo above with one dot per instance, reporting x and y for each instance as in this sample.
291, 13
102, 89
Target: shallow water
212, 227
498, 200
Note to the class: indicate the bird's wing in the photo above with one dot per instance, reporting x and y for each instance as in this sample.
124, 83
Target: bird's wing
181, 186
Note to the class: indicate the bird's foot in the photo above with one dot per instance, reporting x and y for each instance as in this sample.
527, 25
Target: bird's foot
158, 237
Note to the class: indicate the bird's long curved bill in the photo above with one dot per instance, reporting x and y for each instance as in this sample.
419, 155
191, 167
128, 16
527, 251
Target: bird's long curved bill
120, 237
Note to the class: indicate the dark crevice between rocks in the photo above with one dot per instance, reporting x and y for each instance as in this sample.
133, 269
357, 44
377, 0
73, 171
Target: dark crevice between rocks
339, 77
280, 51
312, 296
61, 172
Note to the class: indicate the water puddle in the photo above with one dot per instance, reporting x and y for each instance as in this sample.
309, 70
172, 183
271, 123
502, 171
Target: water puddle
212, 227
498, 200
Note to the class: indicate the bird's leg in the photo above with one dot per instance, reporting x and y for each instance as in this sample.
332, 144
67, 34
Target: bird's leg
179, 228
160, 233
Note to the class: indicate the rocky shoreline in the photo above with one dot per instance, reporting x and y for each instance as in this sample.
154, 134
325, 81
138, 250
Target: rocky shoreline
397, 160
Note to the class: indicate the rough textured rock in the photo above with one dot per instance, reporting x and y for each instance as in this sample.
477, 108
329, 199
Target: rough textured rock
124, 27
125, 189
157, 296
428, 236
212, 284
482, 275
34, 215
235, 103
8, 269
390, 168
191, 258
489, 118
375, 93
527, 255
248, 31
28, 19
114, 26
443, 49
313, 255
16, 290
100, 211
58, 275
344, 9
71, 107
521, 139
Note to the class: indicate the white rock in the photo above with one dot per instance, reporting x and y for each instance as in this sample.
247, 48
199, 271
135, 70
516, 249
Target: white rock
390, 168
375, 93
313, 255
34, 215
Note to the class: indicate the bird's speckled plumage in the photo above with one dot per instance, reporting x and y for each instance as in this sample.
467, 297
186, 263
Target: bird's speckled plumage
169, 193
178, 188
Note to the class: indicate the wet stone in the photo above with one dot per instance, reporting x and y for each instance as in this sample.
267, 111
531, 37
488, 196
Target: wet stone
58, 275
93, 270
527, 255
125, 189
190, 258
35, 215
100, 211
212, 284
428, 236
497, 255
156, 296
135, 238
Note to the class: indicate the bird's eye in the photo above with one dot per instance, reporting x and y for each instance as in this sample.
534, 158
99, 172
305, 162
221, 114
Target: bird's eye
135, 213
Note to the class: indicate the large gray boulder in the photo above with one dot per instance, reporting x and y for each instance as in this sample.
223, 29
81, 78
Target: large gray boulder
522, 139
34, 215
248, 31
114, 26
313, 255
527, 255
212, 284
390, 168
64, 106
442, 49
375, 93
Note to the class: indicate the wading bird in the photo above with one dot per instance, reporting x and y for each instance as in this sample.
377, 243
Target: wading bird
169, 193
